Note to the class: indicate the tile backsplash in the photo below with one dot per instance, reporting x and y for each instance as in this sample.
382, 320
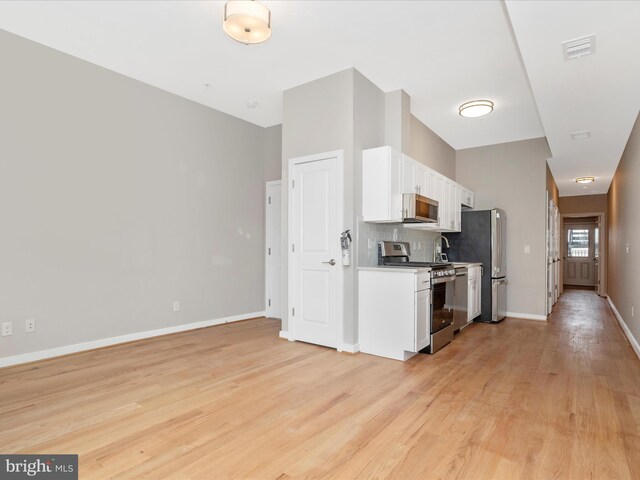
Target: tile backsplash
369, 234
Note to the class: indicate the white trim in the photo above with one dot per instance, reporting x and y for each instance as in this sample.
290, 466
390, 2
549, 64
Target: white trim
105, 342
349, 347
602, 267
285, 335
527, 316
339, 156
267, 308
625, 329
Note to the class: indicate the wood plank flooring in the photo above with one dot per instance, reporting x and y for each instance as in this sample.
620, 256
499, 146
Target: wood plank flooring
516, 400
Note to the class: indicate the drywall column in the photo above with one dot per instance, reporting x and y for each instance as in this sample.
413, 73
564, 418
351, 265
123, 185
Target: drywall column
317, 118
397, 120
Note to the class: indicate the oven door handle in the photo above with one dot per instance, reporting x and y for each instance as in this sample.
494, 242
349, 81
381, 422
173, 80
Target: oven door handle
436, 281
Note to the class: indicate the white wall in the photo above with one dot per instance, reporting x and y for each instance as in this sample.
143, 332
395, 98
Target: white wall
117, 198
512, 176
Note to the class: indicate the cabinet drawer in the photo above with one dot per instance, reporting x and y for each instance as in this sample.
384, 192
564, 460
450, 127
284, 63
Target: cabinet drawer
423, 281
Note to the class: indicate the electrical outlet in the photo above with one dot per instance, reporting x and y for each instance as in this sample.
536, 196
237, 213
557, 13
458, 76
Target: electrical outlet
527, 249
627, 248
6, 329
371, 243
632, 311
30, 325
176, 306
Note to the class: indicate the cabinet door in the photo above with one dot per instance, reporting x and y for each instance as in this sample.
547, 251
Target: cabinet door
438, 195
471, 299
466, 197
445, 205
420, 177
423, 313
478, 302
456, 207
409, 184
395, 186
431, 183
381, 185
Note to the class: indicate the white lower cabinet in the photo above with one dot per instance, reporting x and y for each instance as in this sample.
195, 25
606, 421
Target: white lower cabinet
394, 309
474, 307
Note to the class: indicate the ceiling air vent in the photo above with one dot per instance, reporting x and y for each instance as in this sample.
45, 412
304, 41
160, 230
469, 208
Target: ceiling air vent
582, 135
579, 47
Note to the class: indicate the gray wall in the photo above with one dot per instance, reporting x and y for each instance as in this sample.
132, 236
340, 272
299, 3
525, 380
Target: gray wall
512, 176
317, 117
428, 148
117, 198
624, 228
273, 153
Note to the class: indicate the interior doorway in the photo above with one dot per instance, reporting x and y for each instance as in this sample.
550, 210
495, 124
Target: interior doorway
315, 271
582, 252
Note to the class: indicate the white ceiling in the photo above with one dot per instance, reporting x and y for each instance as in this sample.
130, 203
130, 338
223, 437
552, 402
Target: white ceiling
599, 92
440, 53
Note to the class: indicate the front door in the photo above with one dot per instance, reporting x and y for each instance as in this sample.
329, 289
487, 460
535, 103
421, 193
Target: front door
316, 209
580, 255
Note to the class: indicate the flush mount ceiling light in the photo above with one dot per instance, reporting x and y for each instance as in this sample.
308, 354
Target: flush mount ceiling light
585, 179
247, 21
476, 108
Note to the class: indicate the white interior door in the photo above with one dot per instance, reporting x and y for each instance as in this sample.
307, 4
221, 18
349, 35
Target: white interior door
273, 234
579, 264
315, 197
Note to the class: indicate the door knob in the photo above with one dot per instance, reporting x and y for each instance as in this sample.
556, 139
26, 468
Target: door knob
331, 262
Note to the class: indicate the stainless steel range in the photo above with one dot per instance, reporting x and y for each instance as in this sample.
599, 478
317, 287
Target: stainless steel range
442, 275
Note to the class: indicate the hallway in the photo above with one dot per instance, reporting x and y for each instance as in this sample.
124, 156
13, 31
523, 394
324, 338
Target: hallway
516, 400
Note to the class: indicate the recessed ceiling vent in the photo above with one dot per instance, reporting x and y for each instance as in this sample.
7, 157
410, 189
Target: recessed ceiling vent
582, 135
579, 47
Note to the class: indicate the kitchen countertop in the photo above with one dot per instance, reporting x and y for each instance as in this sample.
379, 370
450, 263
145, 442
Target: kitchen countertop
382, 268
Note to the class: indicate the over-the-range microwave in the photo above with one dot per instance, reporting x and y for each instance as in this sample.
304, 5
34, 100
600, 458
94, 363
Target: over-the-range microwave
419, 209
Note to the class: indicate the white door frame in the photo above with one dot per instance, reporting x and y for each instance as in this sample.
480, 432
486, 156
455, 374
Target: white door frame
602, 259
273, 183
338, 155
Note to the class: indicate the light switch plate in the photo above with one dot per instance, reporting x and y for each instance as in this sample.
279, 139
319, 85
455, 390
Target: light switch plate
527, 249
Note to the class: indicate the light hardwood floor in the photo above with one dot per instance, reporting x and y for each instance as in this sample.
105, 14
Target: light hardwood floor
521, 399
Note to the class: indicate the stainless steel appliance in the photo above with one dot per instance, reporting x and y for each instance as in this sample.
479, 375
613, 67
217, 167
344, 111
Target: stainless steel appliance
419, 209
460, 299
442, 278
483, 239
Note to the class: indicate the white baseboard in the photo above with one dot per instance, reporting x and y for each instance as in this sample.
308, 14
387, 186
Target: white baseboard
105, 342
349, 347
527, 316
284, 334
625, 329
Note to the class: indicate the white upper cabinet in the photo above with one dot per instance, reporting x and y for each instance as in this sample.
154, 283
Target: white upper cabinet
387, 174
467, 197
414, 176
382, 185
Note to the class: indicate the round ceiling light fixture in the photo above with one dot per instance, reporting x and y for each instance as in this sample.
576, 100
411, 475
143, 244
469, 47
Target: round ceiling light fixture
585, 179
247, 21
476, 108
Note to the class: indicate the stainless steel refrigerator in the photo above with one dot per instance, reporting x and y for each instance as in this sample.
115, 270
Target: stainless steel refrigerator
483, 239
